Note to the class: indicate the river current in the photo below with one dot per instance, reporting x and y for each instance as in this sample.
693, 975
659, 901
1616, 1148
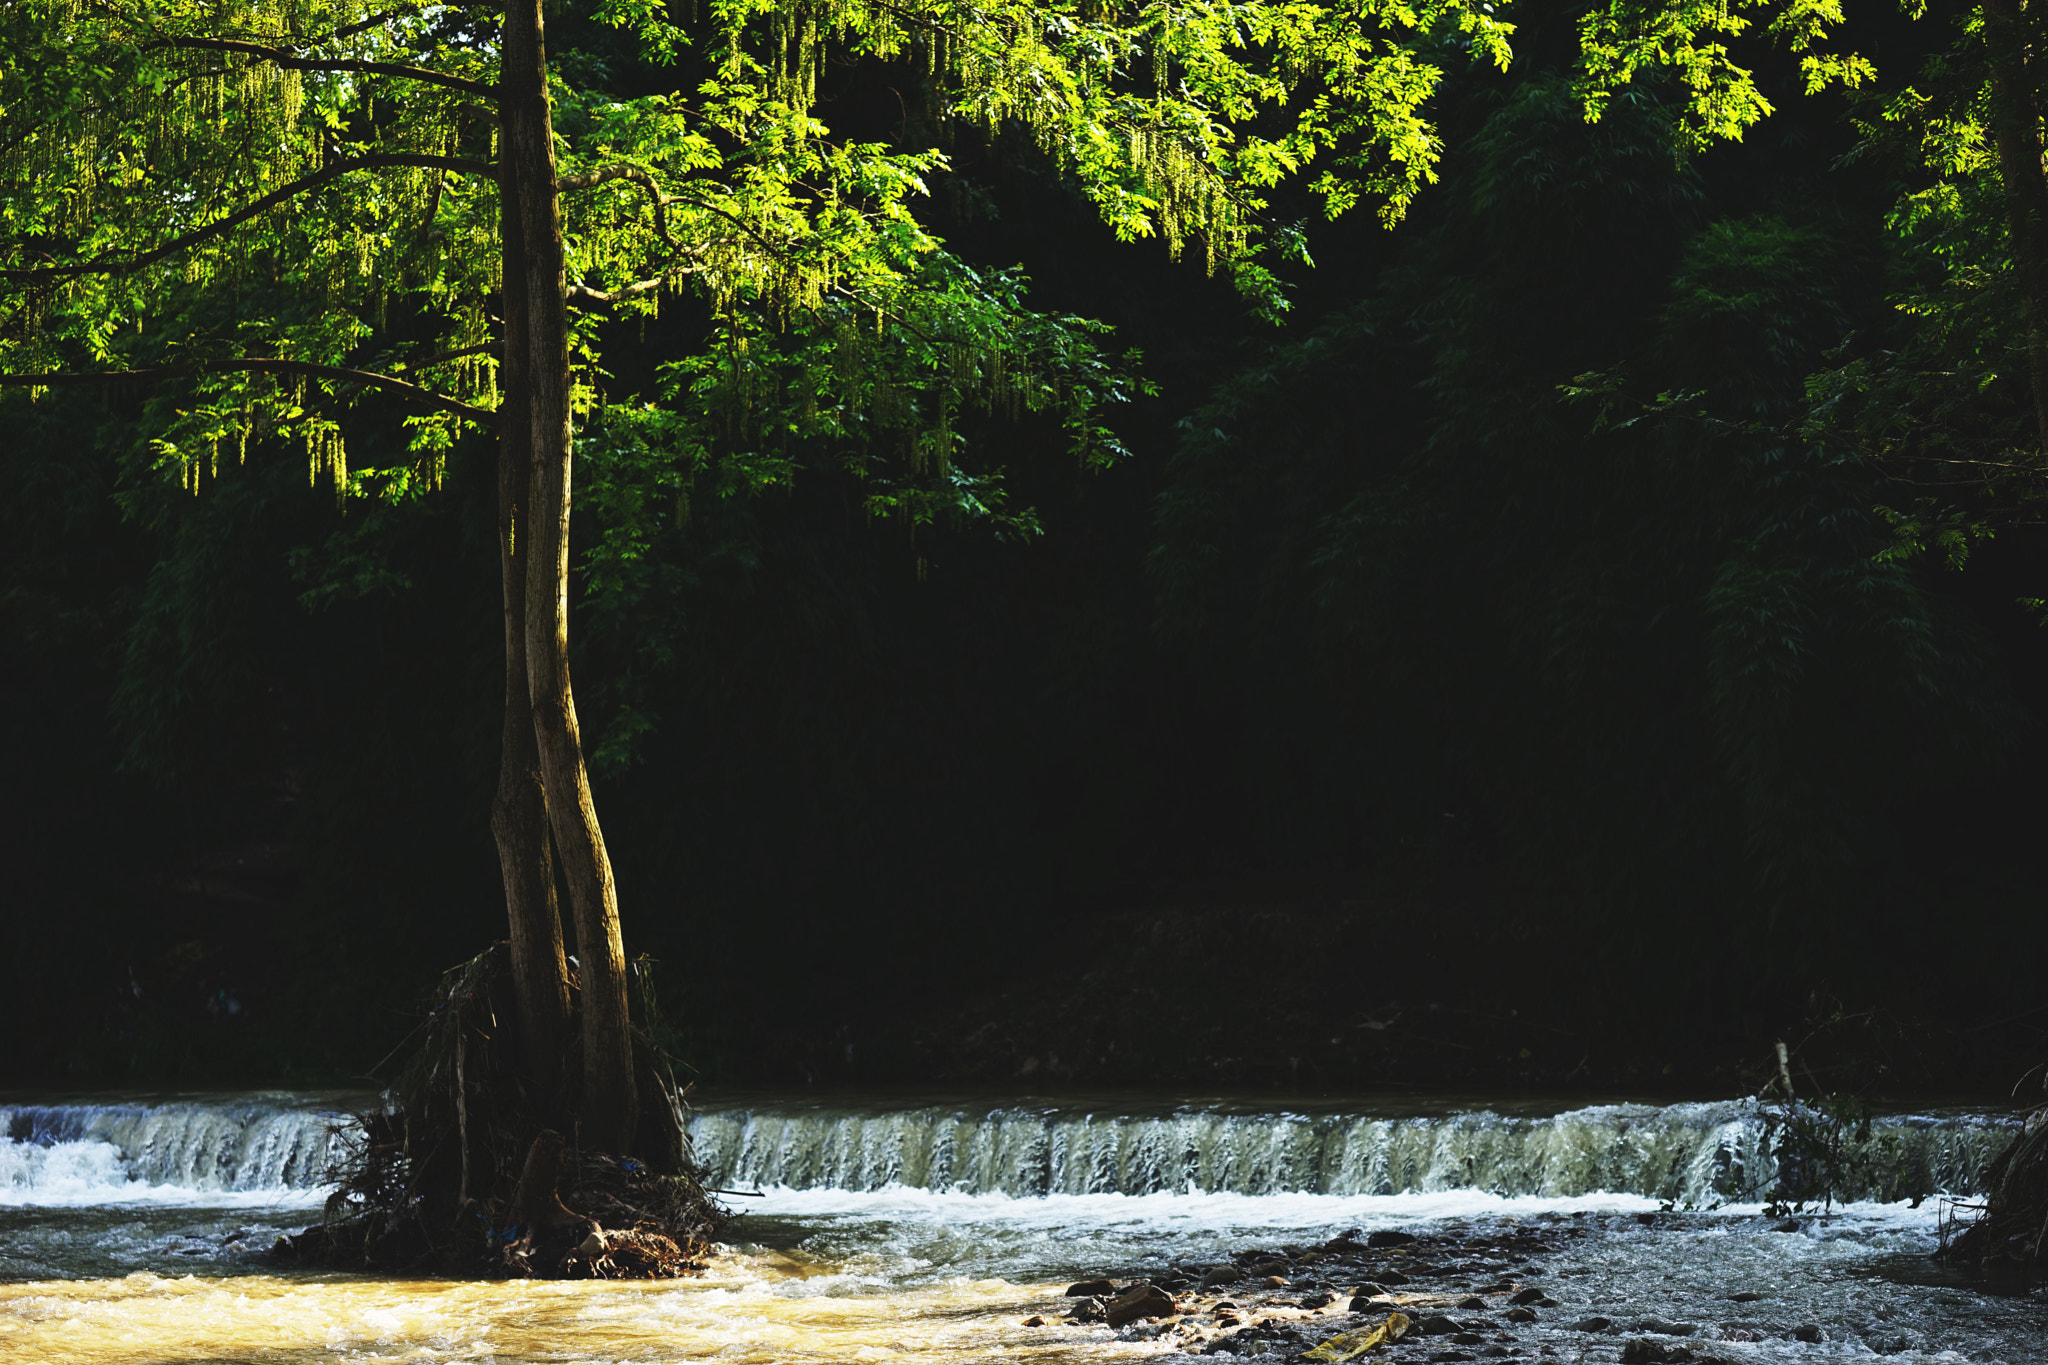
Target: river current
133, 1229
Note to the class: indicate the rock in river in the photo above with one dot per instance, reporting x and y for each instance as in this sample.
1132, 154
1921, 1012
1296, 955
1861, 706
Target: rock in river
1139, 1301
1668, 1329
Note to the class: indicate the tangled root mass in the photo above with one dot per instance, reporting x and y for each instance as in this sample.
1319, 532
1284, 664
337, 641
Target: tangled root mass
463, 1172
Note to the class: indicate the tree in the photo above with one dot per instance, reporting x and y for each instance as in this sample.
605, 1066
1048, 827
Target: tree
270, 212
1952, 396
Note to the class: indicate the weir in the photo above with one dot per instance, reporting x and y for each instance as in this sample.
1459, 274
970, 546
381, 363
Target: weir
1697, 1154
1691, 1154
238, 1144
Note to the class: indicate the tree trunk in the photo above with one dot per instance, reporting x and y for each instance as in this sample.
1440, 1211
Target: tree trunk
609, 1111
519, 820
2016, 130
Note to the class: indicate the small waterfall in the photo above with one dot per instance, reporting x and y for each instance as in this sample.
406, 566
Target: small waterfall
240, 1144
1692, 1154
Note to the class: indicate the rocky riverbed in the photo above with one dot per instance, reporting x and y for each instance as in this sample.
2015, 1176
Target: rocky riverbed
1533, 1290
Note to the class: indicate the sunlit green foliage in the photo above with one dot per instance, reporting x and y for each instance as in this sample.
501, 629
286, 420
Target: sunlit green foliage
1938, 395
887, 398
329, 165
179, 191
339, 156
1620, 38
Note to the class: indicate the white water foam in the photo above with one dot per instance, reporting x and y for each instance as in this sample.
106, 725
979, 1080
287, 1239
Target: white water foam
245, 1152
1698, 1154
251, 1149
1274, 1213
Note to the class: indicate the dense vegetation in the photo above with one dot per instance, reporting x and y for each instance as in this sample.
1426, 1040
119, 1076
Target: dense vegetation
1600, 597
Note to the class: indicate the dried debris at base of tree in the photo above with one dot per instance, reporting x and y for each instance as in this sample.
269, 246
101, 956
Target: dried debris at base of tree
2011, 1225
458, 1174
613, 1230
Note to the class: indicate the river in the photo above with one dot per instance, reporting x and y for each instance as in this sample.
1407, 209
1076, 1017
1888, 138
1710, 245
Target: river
133, 1227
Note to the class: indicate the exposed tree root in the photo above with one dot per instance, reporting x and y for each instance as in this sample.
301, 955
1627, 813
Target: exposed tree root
467, 1169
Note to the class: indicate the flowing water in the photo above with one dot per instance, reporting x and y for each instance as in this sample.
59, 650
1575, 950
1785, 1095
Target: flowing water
132, 1229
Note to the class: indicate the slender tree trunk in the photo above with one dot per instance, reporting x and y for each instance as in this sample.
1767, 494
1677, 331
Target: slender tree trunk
519, 818
2016, 129
609, 1112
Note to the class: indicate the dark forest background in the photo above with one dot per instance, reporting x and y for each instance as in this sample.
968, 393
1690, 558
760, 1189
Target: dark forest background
1388, 715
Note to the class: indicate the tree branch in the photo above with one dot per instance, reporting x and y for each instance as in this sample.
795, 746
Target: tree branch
332, 171
364, 25
260, 364
605, 174
584, 180
583, 293
638, 177
282, 57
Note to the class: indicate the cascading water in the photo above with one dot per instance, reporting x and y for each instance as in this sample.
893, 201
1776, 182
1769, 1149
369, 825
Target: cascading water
1686, 1154
133, 1230
94, 1152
